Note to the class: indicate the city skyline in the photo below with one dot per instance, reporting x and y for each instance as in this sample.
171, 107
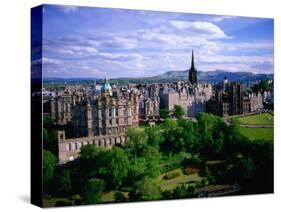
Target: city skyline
99, 42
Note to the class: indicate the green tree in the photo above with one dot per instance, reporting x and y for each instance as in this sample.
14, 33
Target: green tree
180, 192
92, 191
189, 134
88, 152
178, 136
136, 142
49, 162
178, 112
101, 166
170, 124
63, 182
263, 85
45, 135
152, 158
154, 136
211, 131
111, 165
164, 113
119, 197
47, 121
50, 137
145, 189
169, 127
137, 171
243, 172
118, 166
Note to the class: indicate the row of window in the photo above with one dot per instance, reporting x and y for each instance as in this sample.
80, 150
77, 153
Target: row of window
100, 142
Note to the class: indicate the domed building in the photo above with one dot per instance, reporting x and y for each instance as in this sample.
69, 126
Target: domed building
101, 120
106, 88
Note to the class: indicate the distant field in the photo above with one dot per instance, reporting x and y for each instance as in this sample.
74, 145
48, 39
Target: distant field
259, 119
258, 133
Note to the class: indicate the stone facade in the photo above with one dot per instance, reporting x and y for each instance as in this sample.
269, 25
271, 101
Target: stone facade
192, 98
61, 108
69, 148
149, 101
234, 99
101, 120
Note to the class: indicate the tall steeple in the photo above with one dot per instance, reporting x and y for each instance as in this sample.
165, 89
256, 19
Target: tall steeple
192, 60
192, 71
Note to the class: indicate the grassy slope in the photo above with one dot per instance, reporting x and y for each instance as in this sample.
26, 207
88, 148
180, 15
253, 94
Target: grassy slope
260, 119
258, 133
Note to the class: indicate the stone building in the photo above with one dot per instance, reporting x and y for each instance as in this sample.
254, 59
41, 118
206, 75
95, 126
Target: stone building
61, 108
191, 96
233, 99
100, 120
62, 105
149, 101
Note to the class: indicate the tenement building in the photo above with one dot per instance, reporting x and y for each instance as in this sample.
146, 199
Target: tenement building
62, 104
149, 101
101, 120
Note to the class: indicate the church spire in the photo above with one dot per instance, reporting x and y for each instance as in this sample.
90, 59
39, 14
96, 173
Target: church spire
192, 71
192, 60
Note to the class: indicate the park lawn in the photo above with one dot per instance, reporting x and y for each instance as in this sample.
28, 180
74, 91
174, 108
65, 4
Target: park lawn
109, 196
173, 183
257, 133
259, 119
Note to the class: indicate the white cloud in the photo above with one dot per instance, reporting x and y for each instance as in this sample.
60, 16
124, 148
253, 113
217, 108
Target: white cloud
68, 8
72, 49
236, 59
153, 50
45, 61
256, 64
199, 27
221, 18
119, 42
120, 56
253, 45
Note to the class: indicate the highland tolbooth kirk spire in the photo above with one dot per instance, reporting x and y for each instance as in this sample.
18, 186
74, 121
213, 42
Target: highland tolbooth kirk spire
192, 71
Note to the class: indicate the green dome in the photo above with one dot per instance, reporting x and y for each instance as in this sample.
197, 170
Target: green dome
106, 87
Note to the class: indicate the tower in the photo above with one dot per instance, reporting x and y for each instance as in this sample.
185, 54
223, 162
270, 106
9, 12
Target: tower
106, 88
192, 72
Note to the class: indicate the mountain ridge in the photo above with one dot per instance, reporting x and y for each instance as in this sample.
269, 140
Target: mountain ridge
217, 75
176, 75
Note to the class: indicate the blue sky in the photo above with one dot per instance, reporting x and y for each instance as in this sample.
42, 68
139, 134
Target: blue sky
96, 42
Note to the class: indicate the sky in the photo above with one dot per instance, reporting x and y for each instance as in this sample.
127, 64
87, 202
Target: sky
98, 42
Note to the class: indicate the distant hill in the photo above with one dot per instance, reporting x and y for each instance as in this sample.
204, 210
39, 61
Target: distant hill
170, 76
215, 76
203, 76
